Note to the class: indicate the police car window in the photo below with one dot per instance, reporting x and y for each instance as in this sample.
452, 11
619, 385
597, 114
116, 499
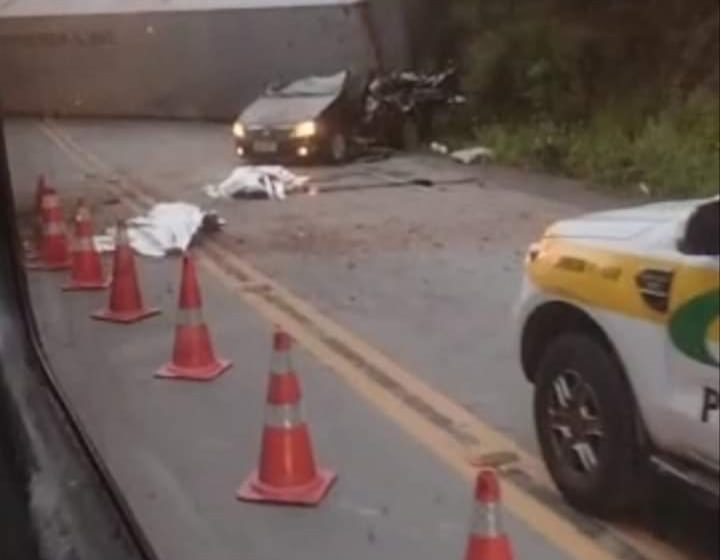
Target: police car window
702, 234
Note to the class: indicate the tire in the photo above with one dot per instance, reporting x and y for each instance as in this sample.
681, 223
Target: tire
587, 426
338, 148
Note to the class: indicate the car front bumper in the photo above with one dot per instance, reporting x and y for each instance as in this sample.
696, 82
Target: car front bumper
269, 145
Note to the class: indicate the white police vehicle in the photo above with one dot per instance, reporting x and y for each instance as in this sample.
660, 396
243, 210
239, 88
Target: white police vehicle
619, 324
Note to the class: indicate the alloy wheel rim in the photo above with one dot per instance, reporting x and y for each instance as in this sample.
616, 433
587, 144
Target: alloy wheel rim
575, 423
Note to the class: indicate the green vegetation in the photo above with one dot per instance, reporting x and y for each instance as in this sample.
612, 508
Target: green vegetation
617, 92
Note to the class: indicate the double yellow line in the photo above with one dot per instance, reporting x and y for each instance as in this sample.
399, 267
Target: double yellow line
449, 431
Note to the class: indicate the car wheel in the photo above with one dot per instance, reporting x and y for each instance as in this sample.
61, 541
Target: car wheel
338, 148
586, 422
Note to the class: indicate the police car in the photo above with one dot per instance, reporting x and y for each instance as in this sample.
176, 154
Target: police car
619, 323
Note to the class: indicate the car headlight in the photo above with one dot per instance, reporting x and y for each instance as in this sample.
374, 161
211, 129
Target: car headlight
305, 130
238, 130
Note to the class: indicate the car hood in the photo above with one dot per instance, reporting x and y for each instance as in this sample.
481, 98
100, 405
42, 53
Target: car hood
299, 101
627, 223
284, 111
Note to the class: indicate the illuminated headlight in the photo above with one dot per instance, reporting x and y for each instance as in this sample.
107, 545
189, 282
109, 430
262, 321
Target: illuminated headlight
238, 130
305, 130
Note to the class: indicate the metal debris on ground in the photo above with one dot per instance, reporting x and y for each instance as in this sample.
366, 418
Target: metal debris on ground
439, 148
468, 156
166, 228
263, 181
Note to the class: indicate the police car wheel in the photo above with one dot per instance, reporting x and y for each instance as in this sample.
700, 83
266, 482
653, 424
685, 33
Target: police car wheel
585, 418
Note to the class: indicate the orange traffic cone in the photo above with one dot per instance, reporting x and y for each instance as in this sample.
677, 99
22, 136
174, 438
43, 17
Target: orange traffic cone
86, 273
287, 473
53, 251
193, 354
126, 303
41, 189
487, 537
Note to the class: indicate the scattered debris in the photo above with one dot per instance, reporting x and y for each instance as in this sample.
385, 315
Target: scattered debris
645, 189
472, 155
167, 228
399, 97
263, 181
439, 148
386, 184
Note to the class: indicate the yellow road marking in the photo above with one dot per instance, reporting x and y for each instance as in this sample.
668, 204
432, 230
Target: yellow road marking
555, 528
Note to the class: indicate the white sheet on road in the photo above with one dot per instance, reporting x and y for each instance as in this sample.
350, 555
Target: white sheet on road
167, 227
269, 181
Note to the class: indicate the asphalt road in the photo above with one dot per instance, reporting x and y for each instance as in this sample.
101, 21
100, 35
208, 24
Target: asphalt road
426, 274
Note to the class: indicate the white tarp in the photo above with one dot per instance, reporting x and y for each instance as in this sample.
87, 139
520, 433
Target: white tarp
166, 227
267, 181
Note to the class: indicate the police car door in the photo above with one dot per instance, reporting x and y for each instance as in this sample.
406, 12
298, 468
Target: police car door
694, 355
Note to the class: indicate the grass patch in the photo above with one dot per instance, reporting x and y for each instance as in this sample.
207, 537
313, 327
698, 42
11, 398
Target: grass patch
675, 152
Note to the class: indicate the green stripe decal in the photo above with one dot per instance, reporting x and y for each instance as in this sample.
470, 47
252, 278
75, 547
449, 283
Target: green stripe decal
690, 324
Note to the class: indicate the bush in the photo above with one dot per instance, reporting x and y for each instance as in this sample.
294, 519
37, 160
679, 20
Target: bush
598, 91
529, 70
677, 153
602, 151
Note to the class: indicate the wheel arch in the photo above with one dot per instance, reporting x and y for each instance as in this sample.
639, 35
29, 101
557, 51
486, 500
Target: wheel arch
553, 319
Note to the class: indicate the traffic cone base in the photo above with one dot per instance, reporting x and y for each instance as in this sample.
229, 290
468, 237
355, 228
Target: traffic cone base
34, 263
124, 317
86, 286
490, 549
311, 494
203, 373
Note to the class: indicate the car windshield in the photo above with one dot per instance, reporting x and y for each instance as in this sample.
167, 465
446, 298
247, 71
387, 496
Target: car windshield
314, 86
